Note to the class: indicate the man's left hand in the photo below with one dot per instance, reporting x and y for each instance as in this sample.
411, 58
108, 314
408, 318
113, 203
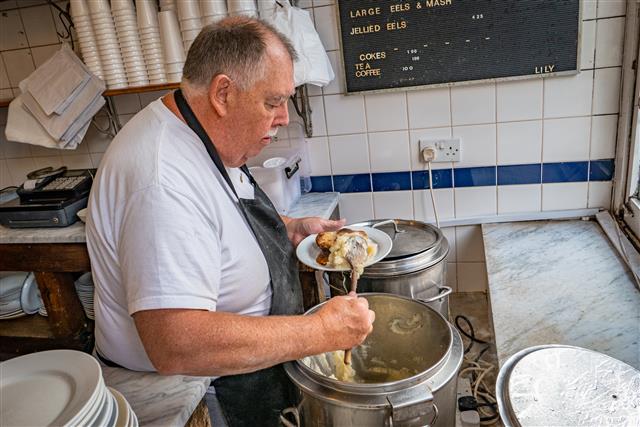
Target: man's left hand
299, 228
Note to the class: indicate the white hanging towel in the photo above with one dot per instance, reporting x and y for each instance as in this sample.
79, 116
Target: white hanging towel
313, 64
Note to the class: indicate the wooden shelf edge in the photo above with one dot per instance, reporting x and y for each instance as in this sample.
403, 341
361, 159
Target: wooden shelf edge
114, 92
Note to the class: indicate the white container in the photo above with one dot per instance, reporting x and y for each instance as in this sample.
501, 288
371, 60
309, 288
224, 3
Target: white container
279, 178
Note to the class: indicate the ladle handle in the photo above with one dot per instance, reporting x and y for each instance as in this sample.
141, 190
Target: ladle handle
347, 357
354, 286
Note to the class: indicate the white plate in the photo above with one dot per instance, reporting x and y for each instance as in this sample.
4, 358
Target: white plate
62, 382
11, 281
30, 298
308, 251
124, 410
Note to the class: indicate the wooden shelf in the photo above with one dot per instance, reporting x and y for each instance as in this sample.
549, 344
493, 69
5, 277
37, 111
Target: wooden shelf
114, 92
33, 326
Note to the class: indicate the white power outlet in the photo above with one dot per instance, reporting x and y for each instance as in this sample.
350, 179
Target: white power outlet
446, 150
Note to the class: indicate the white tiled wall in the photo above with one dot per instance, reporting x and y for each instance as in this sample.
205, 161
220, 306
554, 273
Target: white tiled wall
527, 121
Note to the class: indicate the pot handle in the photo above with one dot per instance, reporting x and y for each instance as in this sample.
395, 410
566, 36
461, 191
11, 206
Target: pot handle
443, 291
402, 413
389, 221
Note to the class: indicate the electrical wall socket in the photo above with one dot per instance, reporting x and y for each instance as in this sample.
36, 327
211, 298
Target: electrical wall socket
446, 150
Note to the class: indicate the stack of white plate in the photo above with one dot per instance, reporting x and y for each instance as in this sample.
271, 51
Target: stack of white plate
84, 290
86, 37
67, 389
171, 45
190, 22
169, 5
105, 32
147, 11
242, 7
19, 294
212, 11
124, 16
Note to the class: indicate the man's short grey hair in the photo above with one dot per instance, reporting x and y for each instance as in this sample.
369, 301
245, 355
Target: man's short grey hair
235, 47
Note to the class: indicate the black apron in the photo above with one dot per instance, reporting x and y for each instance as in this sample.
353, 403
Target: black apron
256, 399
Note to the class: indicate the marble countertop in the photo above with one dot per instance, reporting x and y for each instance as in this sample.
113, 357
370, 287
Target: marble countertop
310, 204
560, 282
158, 400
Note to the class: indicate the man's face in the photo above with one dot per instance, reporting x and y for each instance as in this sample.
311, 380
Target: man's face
257, 112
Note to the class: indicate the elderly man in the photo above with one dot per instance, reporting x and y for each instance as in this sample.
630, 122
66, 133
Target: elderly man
195, 271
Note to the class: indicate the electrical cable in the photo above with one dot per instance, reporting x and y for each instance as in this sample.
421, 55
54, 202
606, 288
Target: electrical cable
433, 198
66, 21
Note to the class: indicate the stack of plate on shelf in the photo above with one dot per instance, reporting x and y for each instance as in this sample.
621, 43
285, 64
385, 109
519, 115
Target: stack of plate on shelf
190, 22
84, 289
147, 11
108, 46
124, 16
19, 294
171, 5
212, 11
86, 37
65, 387
172, 45
242, 7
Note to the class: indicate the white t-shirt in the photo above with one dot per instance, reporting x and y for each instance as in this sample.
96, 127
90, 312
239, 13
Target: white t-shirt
165, 231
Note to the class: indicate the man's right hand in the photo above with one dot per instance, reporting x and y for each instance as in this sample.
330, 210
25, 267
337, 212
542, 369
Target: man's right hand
346, 321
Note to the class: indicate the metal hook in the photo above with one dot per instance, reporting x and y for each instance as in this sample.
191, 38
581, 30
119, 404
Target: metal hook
389, 221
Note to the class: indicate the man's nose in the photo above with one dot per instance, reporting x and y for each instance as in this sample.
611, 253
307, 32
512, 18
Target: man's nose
282, 115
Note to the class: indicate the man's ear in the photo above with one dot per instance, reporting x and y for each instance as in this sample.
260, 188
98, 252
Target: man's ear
219, 91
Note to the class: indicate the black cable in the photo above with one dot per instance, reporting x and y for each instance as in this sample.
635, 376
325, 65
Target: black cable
7, 188
471, 335
483, 351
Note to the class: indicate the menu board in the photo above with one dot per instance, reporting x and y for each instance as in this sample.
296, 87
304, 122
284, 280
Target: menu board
390, 44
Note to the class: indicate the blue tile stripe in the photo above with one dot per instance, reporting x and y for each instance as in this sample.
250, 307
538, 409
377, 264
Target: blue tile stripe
534, 173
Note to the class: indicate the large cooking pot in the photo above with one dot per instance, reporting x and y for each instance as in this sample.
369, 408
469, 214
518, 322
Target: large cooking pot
415, 267
405, 371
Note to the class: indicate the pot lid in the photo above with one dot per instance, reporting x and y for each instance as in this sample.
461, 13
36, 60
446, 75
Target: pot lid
409, 237
565, 385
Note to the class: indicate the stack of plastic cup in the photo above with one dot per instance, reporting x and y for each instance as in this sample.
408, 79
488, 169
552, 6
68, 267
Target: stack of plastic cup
172, 45
167, 5
105, 32
266, 8
213, 11
190, 21
149, 31
124, 16
242, 7
86, 37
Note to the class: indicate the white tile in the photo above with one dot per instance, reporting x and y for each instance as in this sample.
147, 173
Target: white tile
319, 161
568, 95
565, 195
475, 201
473, 104
77, 161
345, 114
5, 176
608, 8
127, 104
318, 3
147, 97
519, 198
20, 65
606, 91
39, 151
19, 168
6, 94
356, 207
4, 77
469, 244
415, 136
12, 34
304, 4
393, 204
337, 84
478, 145
386, 111
96, 158
610, 42
43, 162
566, 139
519, 100
600, 194
8, 4
472, 277
39, 26
603, 137
588, 48
327, 26
452, 276
349, 154
389, 151
423, 206
450, 234
429, 108
589, 9
96, 141
42, 53
124, 118
519, 142
317, 116
14, 150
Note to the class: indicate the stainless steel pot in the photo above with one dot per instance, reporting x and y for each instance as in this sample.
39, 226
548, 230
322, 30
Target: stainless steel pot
414, 268
406, 371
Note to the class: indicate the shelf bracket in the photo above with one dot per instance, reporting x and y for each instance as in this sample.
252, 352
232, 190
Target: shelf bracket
301, 104
112, 113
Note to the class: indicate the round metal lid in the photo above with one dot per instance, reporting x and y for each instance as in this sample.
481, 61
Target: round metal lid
565, 385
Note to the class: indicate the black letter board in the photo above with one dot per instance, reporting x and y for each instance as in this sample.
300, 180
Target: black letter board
393, 44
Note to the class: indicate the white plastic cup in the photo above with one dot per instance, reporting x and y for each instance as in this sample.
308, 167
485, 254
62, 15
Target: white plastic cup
191, 24
79, 8
188, 9
213, 7
117, 5
266, 7
171, 38
147, 13
241, 7
99, 6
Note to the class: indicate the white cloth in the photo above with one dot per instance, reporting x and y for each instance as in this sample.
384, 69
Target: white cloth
164, 232
312, 65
